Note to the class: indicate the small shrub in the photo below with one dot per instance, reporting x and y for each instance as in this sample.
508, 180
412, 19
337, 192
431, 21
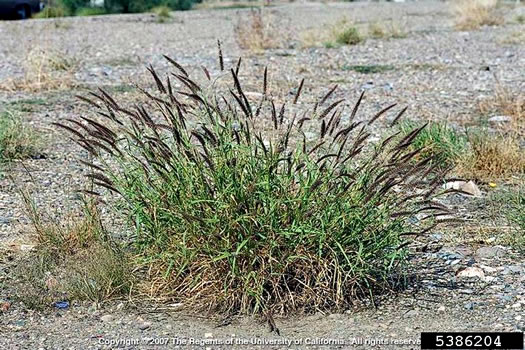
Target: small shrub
472, 14
386, 30
340, 33
134, 6
51, 12
345, 33
162, 11
516, 37
17, 141
235, 210
439, 141
259, 31
492, 157
90, 11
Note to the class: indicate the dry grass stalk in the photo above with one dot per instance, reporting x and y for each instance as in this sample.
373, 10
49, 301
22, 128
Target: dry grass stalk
259, 30
507, 103
492, 157
44, 70
472, 14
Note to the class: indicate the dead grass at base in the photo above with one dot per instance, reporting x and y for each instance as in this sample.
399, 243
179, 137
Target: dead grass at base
472, 14
44, 70
260, 30
309, 285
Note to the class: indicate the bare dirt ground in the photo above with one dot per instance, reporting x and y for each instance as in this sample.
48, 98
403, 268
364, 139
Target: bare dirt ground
440, 73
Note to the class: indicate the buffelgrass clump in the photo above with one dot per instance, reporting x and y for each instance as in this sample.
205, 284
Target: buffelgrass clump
17, 140
472, 14
492, 157
259, 31
386, 30
437, 140
74, 259
44, 70
236, 210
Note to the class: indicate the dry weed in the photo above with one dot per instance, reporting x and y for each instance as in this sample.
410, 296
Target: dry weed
342, 32
260, 30
74, 259
44, 69
387, 30
472, 14
492, 157
508, 103
515, 38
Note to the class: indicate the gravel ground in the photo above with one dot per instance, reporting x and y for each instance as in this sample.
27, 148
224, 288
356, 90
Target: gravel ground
440, 73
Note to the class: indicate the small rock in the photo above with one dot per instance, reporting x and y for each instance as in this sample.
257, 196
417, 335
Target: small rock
436, 236
470, 188
500, 119
449, 254
144, 325
469, 306
411, 313
512, 269
51, 282
506, 297
518, 318
490, 252
120, 306
516, 306
107, 318
470, 272
488, 268
441, 308
27, 247
208, 335
5, 306
367, 86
